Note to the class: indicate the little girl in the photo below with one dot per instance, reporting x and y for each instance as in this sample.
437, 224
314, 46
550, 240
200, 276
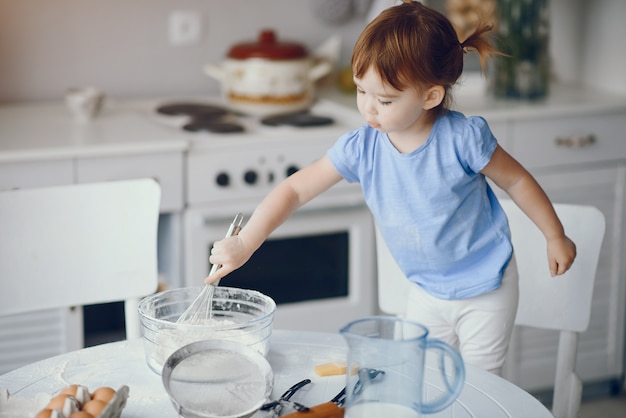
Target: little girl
422, 168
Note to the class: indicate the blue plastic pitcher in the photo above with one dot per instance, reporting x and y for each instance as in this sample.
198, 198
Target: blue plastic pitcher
387, 363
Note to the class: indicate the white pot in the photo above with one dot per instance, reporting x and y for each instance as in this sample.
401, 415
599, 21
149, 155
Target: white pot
268, 77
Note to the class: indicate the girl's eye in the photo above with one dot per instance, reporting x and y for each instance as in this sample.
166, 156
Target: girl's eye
384, 102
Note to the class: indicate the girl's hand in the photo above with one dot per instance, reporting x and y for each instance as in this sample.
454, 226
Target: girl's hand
561, 255
230, 253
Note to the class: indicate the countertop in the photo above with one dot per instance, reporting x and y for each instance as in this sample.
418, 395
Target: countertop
44, 130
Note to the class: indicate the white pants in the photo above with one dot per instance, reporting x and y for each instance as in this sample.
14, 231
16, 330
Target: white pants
479, 327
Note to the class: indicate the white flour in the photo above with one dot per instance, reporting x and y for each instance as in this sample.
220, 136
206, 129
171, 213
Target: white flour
221, 383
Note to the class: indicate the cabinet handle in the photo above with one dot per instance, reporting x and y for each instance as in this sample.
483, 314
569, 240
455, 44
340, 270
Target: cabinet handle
575, 141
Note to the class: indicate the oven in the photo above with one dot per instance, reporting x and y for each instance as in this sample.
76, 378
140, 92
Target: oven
319, 266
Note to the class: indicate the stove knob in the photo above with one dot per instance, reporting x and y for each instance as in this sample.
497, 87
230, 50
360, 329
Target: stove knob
250, 177
222, 179
291, 169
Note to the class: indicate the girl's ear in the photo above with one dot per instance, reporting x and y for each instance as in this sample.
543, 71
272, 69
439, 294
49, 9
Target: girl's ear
434, 96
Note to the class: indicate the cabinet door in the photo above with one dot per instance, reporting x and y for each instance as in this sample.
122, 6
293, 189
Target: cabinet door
166, 168
33, 336
532, 356
30, 174
569, 140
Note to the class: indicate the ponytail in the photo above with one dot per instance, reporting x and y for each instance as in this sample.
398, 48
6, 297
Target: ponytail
479, 42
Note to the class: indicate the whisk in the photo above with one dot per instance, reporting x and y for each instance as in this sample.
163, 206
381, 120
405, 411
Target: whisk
200, 308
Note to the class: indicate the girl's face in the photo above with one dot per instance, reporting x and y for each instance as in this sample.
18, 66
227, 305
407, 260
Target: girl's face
389, 110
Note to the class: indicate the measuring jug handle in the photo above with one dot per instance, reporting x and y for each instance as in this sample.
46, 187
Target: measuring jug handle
453, 388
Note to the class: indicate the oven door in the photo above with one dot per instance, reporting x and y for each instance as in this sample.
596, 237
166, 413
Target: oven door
319, 266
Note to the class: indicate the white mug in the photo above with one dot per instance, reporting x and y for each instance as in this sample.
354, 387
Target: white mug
84, 103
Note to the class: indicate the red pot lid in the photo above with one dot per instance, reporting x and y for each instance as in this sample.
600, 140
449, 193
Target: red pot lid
269, 48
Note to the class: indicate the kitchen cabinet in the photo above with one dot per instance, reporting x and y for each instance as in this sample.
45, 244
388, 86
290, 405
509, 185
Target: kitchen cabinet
568, 140
165, 168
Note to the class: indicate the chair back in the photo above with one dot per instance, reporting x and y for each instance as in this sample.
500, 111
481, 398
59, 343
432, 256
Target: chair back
393, 285
561, 302
79, 245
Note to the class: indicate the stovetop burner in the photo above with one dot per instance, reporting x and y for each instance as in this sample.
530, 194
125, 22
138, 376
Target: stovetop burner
205, 117
212, 125
297, 119
192, 109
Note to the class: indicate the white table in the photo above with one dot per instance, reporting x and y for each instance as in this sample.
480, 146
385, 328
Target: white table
293, 355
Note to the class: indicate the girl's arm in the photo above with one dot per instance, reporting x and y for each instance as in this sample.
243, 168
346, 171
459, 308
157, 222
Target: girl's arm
524, 190
296, 190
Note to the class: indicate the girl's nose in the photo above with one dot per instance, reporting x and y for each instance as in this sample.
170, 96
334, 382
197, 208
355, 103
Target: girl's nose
370, 107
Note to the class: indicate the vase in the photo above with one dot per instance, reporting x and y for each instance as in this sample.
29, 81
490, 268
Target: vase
522, 34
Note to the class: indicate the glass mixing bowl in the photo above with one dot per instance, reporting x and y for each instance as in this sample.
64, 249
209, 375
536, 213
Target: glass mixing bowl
240, 315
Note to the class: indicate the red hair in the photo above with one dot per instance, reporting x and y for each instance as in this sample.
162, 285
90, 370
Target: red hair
411, 45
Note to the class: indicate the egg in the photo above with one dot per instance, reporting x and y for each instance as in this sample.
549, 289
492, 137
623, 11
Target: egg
58, 401
104, 394
94, 407
65, 403
50, 413
80, 392
81, 414
70, 390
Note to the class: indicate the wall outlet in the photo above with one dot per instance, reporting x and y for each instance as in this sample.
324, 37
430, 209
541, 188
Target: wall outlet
185, 27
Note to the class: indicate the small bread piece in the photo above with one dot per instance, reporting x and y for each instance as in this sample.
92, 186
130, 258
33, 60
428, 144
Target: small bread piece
331, 369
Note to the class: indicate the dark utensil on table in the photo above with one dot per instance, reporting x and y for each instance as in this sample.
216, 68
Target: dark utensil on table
276, 407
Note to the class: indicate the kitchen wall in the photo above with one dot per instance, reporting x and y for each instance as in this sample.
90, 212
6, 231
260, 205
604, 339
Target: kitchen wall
604, 44
122, 46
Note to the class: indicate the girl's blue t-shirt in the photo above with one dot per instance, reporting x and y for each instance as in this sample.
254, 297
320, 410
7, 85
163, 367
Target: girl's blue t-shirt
435, 210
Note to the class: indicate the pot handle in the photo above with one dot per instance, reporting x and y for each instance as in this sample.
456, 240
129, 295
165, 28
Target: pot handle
214, 71
319, 70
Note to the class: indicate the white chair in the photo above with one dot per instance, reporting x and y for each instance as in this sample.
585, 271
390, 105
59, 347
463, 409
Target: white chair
79, 245
561, 303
